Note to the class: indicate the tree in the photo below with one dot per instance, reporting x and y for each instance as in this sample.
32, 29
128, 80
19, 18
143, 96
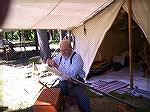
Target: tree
35, 40
43, 40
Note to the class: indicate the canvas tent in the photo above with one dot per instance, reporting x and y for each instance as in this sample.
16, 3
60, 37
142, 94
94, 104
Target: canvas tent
97, 27
114, 48
88, 20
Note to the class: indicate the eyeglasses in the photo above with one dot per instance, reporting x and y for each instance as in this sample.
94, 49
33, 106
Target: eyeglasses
63, 50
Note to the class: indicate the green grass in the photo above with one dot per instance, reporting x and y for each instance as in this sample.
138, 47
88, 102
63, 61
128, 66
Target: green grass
107, 104
142, 103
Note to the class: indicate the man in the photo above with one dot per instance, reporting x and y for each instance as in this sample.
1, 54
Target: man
70, 64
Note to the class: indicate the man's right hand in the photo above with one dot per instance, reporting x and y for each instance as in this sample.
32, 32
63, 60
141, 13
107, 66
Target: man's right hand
52, 63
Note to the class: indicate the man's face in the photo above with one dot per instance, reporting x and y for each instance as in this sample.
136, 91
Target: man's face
65, 50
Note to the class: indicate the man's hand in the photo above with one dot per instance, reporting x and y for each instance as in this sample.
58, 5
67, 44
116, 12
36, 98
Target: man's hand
52, 63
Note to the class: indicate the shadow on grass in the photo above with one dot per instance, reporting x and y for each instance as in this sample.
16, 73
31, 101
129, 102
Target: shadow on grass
2, 109
30, 109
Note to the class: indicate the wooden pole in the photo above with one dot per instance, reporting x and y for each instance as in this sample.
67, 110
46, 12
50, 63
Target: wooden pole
130, 41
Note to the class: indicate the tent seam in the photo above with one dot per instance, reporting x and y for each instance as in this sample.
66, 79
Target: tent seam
47, 14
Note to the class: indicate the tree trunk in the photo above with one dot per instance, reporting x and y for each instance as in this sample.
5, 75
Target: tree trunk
36, 41
63, 34
43, 40
23, 38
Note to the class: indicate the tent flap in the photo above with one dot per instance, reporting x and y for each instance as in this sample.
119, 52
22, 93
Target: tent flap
96, 29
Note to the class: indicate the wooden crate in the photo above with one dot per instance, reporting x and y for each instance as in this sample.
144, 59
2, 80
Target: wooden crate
48, 101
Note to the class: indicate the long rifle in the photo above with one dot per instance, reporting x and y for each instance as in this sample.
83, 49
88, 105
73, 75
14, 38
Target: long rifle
74, 80
101, 92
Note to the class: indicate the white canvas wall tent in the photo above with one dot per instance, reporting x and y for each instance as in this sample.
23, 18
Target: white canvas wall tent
91, 17
88, 20
115, 46
97, 27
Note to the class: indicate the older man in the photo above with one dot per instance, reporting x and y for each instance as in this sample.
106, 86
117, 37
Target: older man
70, 64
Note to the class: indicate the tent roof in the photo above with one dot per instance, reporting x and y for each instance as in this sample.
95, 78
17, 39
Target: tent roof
51, 14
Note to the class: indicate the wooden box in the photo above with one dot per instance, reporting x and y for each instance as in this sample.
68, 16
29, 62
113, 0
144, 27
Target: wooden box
48, 101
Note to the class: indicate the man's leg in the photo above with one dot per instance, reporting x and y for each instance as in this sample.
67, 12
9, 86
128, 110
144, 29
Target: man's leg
82, 98
64, 87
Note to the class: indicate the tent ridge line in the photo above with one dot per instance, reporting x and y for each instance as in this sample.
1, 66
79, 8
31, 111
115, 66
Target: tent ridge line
47, 14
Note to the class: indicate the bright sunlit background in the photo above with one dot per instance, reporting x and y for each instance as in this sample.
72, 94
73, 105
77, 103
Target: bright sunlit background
17, 91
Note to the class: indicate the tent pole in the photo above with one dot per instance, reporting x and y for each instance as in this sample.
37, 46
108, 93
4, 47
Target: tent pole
130, 42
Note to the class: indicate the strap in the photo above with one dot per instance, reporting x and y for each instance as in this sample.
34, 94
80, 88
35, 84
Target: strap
72, 57
60, 60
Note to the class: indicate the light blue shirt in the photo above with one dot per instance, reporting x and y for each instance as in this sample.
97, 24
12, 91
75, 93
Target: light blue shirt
71, 70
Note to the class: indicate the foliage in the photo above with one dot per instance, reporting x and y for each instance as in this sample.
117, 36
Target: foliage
29, 35
36, 60
18, 34
54, 42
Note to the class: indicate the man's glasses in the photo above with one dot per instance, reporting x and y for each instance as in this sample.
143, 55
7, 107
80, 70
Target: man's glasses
63, 50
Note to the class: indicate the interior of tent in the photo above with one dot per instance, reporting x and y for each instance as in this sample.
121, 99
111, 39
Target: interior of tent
91, 34
114, 49
105, 38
